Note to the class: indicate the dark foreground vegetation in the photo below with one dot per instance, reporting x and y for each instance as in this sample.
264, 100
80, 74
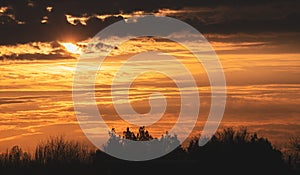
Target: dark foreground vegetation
228, 152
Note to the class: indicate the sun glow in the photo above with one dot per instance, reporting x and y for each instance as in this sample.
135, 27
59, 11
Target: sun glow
72, 48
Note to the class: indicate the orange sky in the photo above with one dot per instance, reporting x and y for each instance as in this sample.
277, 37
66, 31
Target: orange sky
263, 91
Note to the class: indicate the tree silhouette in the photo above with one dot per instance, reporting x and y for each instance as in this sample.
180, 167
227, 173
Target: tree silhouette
117, 145
129, 135
229, 151
293, 153
238, 149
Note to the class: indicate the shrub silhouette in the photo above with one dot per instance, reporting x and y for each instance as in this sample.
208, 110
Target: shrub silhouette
15, 157
57, 150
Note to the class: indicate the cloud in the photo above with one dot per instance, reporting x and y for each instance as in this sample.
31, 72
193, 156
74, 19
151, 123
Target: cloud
76, 20
36, 51
7, 16
81, 20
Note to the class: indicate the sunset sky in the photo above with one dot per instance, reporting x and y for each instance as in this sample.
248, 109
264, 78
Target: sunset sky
257, 43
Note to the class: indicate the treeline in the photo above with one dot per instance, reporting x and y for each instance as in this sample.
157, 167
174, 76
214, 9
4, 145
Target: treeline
229, 151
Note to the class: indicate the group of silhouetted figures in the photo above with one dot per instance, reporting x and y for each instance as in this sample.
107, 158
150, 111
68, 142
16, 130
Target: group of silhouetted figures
228, 152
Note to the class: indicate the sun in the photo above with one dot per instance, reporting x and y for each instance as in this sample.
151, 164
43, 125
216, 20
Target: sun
72, 48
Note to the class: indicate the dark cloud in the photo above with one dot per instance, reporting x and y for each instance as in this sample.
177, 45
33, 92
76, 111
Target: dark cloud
24, 99
36, 56
22, 22
3, 101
